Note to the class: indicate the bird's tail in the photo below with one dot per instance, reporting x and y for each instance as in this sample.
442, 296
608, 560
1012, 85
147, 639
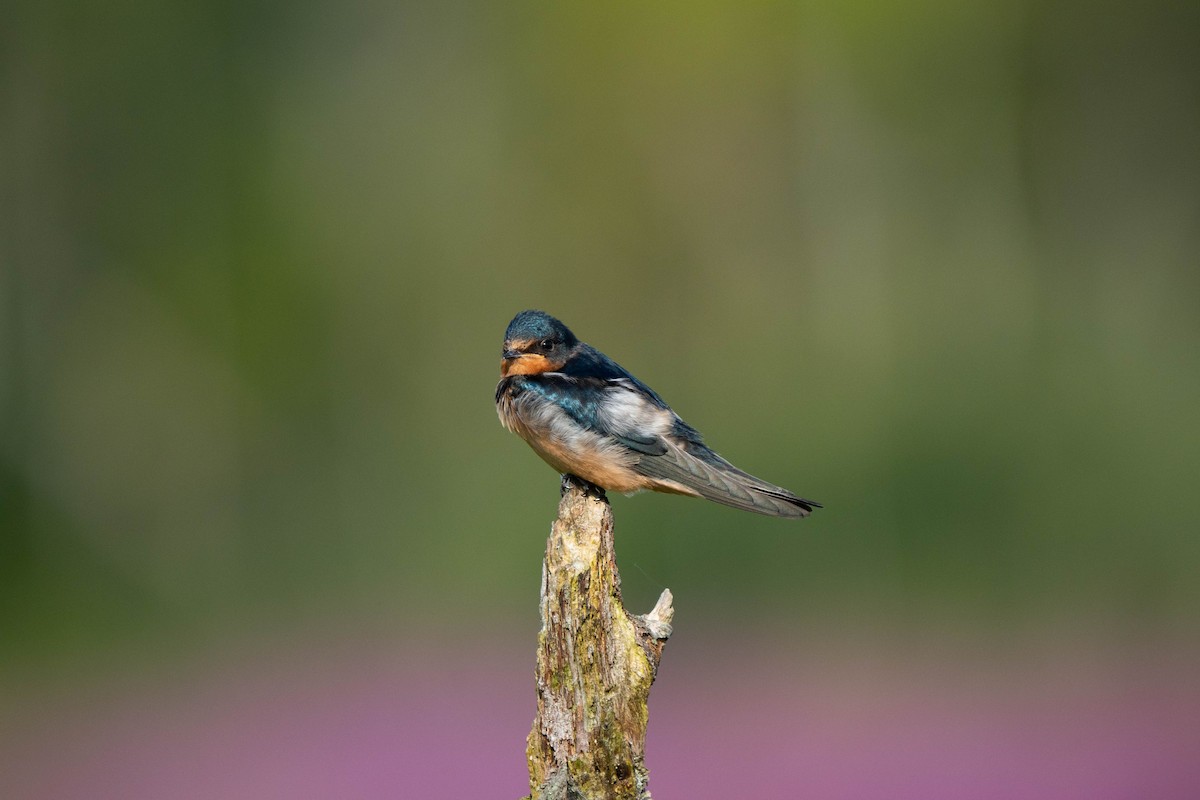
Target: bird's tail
709, 476
742, 490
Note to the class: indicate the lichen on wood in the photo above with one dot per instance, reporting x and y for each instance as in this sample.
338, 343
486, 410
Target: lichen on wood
595, 662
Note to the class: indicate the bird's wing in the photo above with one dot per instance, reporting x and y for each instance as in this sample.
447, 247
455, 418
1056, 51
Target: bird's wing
663, 447
615, 406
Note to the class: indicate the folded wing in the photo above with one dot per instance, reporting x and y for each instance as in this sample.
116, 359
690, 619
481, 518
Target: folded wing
670, 451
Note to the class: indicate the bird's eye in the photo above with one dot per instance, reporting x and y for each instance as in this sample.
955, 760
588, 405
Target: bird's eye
546, 344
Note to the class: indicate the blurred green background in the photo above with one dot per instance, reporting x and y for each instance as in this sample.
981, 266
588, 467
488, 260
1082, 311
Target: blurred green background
932, 264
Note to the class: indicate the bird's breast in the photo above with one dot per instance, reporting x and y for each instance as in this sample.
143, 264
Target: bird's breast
563, 443
508, 409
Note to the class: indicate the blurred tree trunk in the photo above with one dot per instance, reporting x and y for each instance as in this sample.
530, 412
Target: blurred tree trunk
595, 662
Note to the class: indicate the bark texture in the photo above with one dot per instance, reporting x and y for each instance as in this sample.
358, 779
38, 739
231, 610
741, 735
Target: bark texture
595, 662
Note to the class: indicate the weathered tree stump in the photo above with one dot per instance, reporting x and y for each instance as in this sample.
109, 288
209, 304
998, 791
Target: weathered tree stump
595, 662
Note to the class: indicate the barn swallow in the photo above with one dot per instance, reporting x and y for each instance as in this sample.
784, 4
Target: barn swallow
587, 416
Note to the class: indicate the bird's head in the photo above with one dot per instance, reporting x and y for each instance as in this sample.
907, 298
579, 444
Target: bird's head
535, 342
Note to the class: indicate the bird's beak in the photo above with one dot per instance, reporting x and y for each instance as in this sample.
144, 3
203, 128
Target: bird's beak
506, 360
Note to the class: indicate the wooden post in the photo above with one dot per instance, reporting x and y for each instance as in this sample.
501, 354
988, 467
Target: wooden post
595, 662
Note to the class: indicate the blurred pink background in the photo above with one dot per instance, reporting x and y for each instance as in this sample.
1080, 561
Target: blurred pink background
730, 717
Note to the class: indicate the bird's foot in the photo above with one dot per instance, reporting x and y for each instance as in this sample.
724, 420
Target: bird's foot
569, 480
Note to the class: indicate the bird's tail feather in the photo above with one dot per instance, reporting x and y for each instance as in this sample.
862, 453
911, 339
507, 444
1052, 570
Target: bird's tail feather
754, 495
708, 475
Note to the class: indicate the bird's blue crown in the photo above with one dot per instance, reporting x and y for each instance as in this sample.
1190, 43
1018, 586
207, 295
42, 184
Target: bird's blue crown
533, 324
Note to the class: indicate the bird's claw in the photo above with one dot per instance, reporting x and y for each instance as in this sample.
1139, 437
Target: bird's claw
569, 480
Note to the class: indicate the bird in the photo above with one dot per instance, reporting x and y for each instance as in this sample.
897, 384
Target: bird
589, 417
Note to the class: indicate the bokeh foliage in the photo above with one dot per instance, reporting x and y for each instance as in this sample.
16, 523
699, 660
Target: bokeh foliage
932, 264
